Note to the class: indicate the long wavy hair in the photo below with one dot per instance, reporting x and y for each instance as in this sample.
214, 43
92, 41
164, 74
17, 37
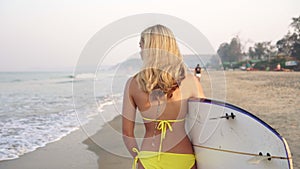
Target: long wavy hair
163, 66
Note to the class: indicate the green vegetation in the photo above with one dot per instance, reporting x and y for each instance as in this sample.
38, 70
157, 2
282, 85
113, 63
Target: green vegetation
264, 55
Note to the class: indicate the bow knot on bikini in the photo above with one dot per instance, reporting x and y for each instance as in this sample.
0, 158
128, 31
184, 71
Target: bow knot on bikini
163, 125
136, 158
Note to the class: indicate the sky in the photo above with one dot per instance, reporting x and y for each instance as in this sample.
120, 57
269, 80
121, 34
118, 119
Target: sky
49, 35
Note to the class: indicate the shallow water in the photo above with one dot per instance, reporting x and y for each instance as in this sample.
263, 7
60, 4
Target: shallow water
37, 108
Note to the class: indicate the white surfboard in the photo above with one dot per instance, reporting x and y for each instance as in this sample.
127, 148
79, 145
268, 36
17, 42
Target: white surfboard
227, 137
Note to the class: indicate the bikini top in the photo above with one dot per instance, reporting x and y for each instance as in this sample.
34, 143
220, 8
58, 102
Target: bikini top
163, 125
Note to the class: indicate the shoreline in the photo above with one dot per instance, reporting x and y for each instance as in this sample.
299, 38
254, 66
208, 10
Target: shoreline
271, 96
76, 150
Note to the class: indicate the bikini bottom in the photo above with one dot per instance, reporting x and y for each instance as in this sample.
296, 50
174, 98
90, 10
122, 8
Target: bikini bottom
164, 160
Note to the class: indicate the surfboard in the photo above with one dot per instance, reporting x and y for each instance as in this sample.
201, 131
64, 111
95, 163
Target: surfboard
225, 136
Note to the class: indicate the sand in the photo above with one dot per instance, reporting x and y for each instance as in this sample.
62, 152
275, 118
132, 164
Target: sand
272, 96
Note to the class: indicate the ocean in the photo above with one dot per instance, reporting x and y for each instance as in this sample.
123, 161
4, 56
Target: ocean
37, 108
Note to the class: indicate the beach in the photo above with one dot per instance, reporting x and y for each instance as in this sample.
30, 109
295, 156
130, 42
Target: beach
272, 96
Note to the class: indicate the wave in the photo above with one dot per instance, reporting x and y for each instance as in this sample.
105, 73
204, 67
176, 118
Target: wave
23, 135
34, 111
81, 76
20, 135
62, 77
16, 77
70, 76
85, 76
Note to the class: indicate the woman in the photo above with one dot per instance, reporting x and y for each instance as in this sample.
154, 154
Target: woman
160, 92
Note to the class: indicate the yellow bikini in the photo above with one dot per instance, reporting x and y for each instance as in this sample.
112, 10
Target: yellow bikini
163, 160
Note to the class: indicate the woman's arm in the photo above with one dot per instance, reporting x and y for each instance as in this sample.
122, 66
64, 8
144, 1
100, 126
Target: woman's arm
128, 119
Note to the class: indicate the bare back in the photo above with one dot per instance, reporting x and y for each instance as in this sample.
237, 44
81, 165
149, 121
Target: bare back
173, 108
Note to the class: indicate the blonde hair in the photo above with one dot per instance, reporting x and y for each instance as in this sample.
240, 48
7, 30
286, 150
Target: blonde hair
163, 66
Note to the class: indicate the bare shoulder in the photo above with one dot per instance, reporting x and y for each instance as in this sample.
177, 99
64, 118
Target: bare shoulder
129, 81
131, 84
192, 86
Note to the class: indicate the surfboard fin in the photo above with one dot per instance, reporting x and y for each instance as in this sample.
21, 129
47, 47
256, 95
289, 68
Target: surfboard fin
259, 158
227, 116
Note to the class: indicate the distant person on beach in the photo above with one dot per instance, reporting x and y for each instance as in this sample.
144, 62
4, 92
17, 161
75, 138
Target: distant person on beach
160, 92
278, 67
198, 71
248, 66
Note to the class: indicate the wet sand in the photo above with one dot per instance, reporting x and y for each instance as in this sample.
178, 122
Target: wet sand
272, 96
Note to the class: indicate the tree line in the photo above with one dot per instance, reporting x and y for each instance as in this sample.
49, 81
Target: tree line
286, 47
